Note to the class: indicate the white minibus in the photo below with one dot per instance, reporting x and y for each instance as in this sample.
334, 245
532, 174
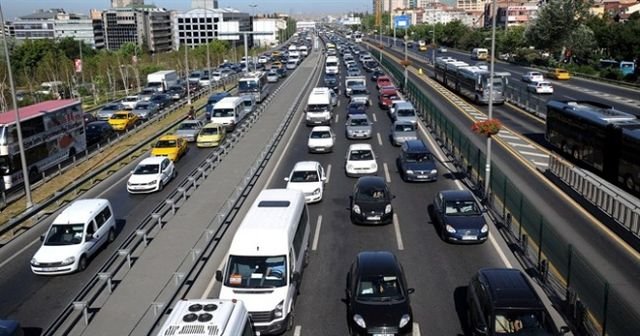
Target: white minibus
228, 112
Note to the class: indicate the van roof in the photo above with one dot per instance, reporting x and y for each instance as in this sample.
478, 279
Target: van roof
80, 211
228, 102
265, 229
208, 317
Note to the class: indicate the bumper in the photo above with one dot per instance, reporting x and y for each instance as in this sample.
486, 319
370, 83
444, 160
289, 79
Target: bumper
204, 144
360, 172
420, 177
274, 328
322, 122
320, 149
358, 136
466, 239
54, 270
405, 331
313, 198
363, 219
142, 189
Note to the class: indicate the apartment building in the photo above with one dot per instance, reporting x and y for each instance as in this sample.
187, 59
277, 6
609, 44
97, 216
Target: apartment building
200, 26
55, 24
148, 25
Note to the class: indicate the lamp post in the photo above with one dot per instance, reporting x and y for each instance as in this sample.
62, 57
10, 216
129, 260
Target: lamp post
186, 63
406, 60
253, 14
487, 168
206, 19
23, 158
433, 40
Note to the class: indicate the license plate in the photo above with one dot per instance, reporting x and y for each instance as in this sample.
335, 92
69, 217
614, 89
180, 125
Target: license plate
382, 334
422, 176
469, 237
374, 218
320, 149
50, 269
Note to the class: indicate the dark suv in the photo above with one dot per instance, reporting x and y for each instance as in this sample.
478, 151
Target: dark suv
377, 296
502, 301
416, 162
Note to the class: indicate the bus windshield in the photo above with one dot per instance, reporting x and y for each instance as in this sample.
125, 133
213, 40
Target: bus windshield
248, 85
256, 272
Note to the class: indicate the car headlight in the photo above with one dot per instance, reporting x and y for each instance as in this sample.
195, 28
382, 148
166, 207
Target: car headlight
317, 191
387, 209
450, 229
153, 182
34, 262
359, 321
410, 172
278, 311
434, 171
69, 261
404, 320
349, 166
484, 229
374, 166
356, 209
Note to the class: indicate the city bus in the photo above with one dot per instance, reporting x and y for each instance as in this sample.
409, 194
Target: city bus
422, 45
597, 137
254, 83
52, 132
471, 81
480, 54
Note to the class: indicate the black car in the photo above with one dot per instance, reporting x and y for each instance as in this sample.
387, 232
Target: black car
89, 117
416, 163
177, 92
161, 99
282, 72
375, 74
371, 201
370, 66
459, 217
377, 296
502, 301
98, 131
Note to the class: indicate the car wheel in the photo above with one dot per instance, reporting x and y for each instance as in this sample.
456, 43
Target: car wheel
111, 236
82, 264
291, 317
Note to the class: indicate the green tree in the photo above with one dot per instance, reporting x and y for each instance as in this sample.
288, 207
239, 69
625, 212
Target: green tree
581, 42
453, 34
510, 39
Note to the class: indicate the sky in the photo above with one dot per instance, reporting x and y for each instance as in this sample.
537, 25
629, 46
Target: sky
15, 8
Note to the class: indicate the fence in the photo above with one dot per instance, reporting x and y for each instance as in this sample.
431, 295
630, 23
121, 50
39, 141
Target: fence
562, 270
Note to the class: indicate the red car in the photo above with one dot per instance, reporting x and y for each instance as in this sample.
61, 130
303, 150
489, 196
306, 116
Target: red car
383, 81
386, 96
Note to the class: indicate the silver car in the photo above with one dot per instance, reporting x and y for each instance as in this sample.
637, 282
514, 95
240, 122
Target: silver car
109, 109
272, 76
358, 126
404, 112
189, 129
402, 131
360, 94
146, 110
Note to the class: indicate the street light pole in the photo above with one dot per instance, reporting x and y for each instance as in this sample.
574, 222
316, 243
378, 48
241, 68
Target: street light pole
186, 64
206, 19
433, 52
406, 64
253, 14
487, 168
23, 158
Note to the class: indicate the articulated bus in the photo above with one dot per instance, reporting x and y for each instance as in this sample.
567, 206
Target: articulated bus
599, 138
52, 131
254, 83
422, 45
471, 81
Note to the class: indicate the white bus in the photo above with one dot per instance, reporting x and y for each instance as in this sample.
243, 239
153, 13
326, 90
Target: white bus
357, 37
52, 131
254, 83
481, 54
268, 253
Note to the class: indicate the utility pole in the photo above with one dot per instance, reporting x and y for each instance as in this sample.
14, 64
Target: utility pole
206, 19
487, 169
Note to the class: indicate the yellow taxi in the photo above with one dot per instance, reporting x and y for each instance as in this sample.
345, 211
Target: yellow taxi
123, 120
171, 146
211, 135
276, 65
558, 73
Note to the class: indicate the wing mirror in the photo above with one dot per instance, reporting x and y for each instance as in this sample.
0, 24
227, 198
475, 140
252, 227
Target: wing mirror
219, 275
286, 179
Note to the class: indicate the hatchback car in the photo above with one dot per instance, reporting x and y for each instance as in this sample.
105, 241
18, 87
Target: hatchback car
211, 135
371, 201
272, 76
109, 109
402, 131
171, 146
532, 77
356, 108
377, 296
321, 140
540, 87
358, 126
122, 121
360, 94
98, 131
459, 217
360, 160
162, 99
404, 112
386, 96
189, 129
150, 175
130, 102
416, 163
309, 178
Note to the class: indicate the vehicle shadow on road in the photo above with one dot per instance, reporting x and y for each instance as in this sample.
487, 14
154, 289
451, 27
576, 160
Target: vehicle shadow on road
32, 331
460, 301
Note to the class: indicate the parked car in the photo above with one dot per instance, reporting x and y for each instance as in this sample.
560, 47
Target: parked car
98, 131
560, 74
109, 109
532, 77
124, 120
308, 177
360, 160
358, 126
402, 131
377, 296
459, 217
150, 175
171, 146
189, 129
371, 201
321, 140
145, 110
211, 135
416, 163
540, 87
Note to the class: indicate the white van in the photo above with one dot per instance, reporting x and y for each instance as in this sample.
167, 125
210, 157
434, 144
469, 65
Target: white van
304, 51
75, 235
201, 317
228, 112
332, 66
266, 259
319, 109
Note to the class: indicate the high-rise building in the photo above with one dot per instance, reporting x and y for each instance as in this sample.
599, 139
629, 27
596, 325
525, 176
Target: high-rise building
471, 5
126, 3
392, 4
204, 4
54, 24
148, 25
199, 26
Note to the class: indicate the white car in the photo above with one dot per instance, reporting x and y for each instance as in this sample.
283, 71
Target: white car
532, 77
540, 87
360, 160
216, 76
308, 177
321, 140
130, 102
151, 174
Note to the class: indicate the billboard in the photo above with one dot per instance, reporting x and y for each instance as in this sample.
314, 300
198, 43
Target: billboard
401, 21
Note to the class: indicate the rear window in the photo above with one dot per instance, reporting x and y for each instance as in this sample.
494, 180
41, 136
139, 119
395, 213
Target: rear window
274, 204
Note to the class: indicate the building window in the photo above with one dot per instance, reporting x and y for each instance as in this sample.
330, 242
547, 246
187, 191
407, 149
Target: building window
180, 20
202, 27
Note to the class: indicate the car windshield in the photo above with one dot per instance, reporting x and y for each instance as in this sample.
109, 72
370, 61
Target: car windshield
521, 323
209, 131
94, 128
130, 99
320, 135
221, 113
406, 113
64, 234
317, 108
332, 64
256, 272
330, 77
188, 126
418, 157
304, 176
141, 107
405, 128
360, 155
146, 169
119, 116
461, 208
165, 144
358, 122
356, 91
379, 288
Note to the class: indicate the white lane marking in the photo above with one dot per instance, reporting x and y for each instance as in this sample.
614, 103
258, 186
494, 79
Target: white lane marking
379, 139
534, 154
286, 147
495, 245
540, 163
386, 172
316, 235
416, 329
396, 227
374, 117
337, 115
338, 105
296, 331
328, 173
514, 144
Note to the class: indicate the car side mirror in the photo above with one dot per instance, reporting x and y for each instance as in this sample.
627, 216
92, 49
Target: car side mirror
481, 330
411, 290
324, 178
564, 330
42, 238
219, 275
286, 179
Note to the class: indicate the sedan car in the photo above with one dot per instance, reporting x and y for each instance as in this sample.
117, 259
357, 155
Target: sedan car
272, 76
459, 217
375, 74
353, 71
162, 99
360, 94
171, 146
308, 177
358, 126
130, 102
540, 87
177, 92
109, 109
402, 131
371, 201
532, 77
211, 135
122, 121
404, 111
321, 140
356, 107
98, 131
386, 96
150, 175
189, 129
360, 160
145, 110
416, 163
383, 81
377, 296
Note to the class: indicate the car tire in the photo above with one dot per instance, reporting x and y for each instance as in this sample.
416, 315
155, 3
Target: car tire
291, 317
82, 263
111, 236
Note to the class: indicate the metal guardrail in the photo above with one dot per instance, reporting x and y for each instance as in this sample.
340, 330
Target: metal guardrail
36, 211
77, 314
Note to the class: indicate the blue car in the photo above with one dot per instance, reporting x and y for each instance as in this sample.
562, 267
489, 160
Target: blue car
356, 108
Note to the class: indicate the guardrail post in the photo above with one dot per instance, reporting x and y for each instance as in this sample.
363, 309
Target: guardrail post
126, 254
157, 217
202, 171
82, 305
183, 191
195, 253
106, 276
143, 235
177, 277
172, 204
157, 306
193, 181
